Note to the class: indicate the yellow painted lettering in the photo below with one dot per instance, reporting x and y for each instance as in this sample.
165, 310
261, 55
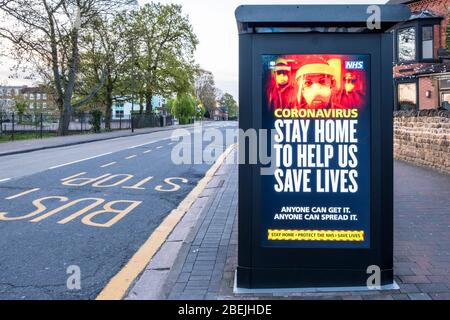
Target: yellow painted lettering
101, 183
107, 209
40, 208
82, 211
173, 186
68, 205
79, 182
139, 185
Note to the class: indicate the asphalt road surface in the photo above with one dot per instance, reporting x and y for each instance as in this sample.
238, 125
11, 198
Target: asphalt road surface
85, 210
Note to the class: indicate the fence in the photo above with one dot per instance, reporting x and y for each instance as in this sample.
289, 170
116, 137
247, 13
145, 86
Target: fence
39, 125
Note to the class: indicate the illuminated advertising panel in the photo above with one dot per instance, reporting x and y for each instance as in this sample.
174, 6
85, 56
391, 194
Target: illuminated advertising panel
318, 106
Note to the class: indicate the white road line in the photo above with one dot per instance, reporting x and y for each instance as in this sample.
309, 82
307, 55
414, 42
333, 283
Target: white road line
108, 164
78, 161
4, 180
108, 153
22, 194
131, 157
141, 145
146, 144
148, 151
160, 147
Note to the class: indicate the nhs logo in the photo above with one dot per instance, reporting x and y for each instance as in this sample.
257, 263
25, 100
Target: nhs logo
354, 65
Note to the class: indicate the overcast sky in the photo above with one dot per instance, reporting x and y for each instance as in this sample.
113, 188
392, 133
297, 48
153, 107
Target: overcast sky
215, 25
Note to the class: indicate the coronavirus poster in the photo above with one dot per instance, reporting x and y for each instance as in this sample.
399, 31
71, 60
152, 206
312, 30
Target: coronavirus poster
318, 108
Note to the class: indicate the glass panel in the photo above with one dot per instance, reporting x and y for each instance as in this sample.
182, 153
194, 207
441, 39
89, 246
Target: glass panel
427, 33
427, 49
427, 43
445, 103
407, 44
444, 84
407, 96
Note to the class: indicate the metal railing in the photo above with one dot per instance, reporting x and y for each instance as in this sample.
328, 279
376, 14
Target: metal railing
15, 126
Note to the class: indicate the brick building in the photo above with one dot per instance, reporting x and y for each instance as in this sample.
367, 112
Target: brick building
220, 114
37, 99
421, 61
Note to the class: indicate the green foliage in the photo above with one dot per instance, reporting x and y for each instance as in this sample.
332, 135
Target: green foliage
96, 120
227, 101
114, 51
162, 44
25, 136
21, 106
48, 38
170, 104
106, 50
184, 108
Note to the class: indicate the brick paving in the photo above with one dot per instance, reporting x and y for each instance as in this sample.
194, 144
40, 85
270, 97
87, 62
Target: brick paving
207, 260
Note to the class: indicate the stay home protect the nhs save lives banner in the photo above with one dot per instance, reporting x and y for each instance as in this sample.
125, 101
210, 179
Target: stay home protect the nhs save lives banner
319, 108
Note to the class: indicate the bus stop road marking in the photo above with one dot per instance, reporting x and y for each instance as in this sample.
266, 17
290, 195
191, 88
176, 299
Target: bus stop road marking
119, 284
74, 176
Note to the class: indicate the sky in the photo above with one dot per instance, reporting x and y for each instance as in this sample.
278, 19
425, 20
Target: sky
215, 25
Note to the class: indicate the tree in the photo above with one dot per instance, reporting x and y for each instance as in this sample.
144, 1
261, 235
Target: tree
21, 106
163, 44
105, 51
184, 108
206, 90
227, 101
47, 35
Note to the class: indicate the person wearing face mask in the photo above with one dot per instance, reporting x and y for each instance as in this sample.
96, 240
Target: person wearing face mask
281, 90
316, 84
351, 96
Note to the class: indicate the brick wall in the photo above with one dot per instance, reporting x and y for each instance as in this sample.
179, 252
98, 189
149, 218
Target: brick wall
431, 102
423, 138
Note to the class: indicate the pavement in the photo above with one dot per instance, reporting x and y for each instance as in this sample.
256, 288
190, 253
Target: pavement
24, 146
199, 259
71, 218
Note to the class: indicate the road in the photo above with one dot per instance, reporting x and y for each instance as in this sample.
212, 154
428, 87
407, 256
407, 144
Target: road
85, 210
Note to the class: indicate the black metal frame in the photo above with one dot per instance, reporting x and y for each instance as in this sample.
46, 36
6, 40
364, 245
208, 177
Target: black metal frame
398, 81
417, 24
